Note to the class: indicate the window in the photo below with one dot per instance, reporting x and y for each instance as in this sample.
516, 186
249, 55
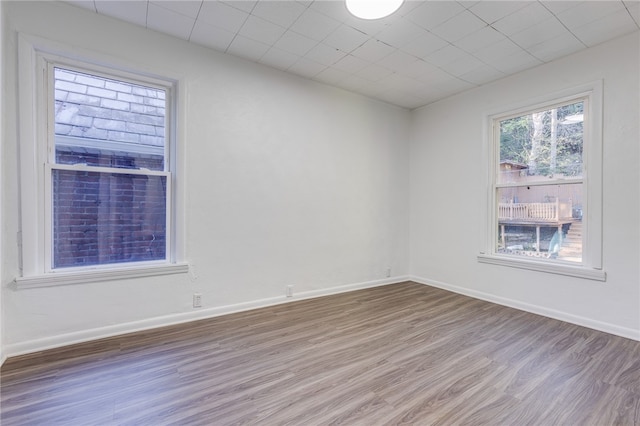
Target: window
544, 179
103, 201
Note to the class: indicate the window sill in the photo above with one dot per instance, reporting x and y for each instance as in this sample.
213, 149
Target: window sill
83, 277
549, 267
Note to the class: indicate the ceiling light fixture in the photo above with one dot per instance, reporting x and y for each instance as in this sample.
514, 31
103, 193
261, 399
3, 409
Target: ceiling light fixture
372, 9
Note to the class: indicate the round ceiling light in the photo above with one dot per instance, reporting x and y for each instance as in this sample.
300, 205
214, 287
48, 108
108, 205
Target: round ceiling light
372, 9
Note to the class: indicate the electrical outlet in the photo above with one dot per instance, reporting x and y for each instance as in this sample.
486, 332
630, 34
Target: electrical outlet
197, 300
289, 291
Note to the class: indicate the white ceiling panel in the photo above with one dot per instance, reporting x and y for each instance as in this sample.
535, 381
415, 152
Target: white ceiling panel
222, 15
283, 13
295, 43
170, 22
345, 38
427, 50
480, 39
306, 68
373, 50
431, 14
189, 8
350, 64
278, 58
134, 12
459, 26
315, 25
425, 44
324, 54
538, 33
490, 11
247, 48
211, 36
557, 47
528, 16
261, 30
614, 25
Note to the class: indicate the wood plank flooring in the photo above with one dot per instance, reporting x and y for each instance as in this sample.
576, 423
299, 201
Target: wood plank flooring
399, 354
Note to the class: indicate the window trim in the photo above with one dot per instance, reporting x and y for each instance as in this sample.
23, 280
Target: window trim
34, 148
591, 266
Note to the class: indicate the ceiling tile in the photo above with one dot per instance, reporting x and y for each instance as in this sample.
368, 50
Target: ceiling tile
491, 11
606, 28
370, 27
420, 68
211, 36
306, 67
496, 52
431, 14
189, 8
425, 44
134, 12
374, 72
523, 18
397, 61
345, 38
538, 33
589, 11
445, 55
480, 39
247, 48
482, 75
556, 47
222, 15
168, 21
260, 30
85, 4
459, 26
295, 43
283, 13
353, 82
400, 33
333, 9
516, 62
324, 54
244, 5
559, 6
634, 10
350, 64
315, 25
463, 65
278, 58
331, 76
373, 50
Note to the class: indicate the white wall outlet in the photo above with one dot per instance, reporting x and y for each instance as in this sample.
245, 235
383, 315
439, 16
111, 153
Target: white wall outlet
388, 272
197, 300
289, 291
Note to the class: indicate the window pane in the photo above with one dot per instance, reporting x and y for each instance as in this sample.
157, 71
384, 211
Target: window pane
106, 122
104, 218
541, 221
544, 144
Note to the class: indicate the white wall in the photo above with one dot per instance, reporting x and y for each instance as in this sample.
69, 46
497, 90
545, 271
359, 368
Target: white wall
286, 181
446, 193
2, 139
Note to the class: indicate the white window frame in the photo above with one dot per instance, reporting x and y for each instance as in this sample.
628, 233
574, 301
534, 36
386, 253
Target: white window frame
36, 60
591, 266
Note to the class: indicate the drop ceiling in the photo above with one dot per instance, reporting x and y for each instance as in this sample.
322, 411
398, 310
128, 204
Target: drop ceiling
426, 51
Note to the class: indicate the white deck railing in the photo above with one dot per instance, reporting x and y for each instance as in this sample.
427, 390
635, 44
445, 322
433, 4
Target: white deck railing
535, 211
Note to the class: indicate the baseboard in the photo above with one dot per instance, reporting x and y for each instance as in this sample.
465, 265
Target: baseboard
628, 333
83, 336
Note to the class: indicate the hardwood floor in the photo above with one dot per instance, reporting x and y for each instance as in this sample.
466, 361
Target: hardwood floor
399, 354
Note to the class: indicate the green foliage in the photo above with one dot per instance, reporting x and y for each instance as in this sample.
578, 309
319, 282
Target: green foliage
517, 142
